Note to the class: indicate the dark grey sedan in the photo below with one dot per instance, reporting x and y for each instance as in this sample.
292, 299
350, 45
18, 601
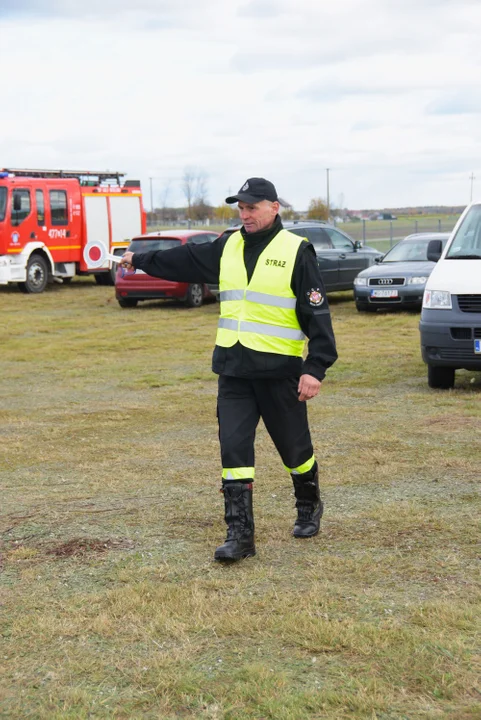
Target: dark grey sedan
340, 258
398, 279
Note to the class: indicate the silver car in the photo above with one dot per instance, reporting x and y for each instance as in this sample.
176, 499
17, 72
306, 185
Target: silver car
397, 279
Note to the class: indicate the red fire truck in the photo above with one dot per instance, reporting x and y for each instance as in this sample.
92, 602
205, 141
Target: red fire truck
47, 217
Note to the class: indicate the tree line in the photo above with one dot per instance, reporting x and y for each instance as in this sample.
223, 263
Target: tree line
198, 209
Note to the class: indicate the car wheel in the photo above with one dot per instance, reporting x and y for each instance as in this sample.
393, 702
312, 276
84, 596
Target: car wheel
195, 295
127, 302
441, 377
37, 275
364, 307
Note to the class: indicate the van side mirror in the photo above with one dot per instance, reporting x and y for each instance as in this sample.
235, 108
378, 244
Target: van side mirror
357, 245
435, 250
378, 258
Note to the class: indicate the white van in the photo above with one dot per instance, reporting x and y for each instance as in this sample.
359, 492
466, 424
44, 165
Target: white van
451, 314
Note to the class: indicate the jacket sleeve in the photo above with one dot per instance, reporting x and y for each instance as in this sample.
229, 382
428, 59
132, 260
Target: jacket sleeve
187, 263
313, 313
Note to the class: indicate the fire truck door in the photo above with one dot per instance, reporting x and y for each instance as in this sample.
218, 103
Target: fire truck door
63, 231
22, 220
97, 222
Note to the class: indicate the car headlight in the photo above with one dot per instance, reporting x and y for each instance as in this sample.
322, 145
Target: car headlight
417, 280
360, 281
437, 300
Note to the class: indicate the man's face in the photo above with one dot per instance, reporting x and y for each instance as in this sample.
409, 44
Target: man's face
259, 216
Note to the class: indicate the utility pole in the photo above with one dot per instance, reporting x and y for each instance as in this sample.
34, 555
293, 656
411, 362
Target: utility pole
151, 196
472, 178
327, 192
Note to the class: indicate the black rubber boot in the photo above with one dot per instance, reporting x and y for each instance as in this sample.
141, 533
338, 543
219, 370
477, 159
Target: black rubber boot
308, 503
239, 517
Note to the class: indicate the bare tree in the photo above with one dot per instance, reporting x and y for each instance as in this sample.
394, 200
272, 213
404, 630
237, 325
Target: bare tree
164, 196
200, 196
188, 187
194, 187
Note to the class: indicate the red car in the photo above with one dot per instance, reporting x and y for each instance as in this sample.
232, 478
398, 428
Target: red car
130, 287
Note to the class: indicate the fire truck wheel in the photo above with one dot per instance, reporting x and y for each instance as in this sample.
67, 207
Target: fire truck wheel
104, 278
195, 295
37, 275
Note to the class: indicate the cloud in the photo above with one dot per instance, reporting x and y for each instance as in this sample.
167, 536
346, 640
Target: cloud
145, 13
262, 8
385, 94
457, 103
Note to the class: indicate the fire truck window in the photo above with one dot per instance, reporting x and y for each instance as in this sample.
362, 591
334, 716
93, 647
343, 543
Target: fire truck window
20, 206
3, 202
40, 207
58, 207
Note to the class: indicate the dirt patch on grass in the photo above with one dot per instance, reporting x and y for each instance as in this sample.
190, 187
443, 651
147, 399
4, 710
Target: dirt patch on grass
452, 422
83, 546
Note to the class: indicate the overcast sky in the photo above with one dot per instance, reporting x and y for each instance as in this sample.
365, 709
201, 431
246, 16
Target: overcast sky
384, 93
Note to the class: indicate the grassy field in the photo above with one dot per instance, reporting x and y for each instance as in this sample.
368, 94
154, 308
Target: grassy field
111, 605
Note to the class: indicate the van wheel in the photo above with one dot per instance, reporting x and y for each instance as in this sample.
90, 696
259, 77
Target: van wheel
195, 295
441, 377
37, 275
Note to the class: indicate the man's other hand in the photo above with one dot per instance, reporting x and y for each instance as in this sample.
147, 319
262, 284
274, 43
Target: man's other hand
308, 387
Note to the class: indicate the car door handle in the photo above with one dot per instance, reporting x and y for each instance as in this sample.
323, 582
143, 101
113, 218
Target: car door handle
33, 236
342, 256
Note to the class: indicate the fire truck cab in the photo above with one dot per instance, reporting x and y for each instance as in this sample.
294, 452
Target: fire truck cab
47, 217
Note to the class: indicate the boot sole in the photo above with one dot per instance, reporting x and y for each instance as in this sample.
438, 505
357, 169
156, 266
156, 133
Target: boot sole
234, 558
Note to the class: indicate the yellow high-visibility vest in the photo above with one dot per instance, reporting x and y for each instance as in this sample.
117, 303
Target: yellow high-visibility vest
260, 314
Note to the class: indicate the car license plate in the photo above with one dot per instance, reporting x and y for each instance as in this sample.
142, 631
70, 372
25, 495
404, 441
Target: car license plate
384, 293
477, 347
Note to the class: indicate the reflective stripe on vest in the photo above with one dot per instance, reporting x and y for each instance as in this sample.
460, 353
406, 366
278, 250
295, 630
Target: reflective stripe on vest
260, 314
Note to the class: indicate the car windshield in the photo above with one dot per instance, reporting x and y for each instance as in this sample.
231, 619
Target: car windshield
467, 241
147, 244
3, 202
408, 251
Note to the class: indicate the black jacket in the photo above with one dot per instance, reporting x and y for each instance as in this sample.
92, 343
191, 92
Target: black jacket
201, 264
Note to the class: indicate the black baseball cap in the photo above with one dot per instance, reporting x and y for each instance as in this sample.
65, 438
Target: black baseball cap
254, 190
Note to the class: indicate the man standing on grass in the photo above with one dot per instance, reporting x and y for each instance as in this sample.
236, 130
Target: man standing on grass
272, 298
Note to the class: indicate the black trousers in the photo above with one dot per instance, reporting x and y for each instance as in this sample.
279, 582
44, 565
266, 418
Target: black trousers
240, 405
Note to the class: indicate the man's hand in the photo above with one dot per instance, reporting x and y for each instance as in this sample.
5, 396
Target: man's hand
308, 387
126, 261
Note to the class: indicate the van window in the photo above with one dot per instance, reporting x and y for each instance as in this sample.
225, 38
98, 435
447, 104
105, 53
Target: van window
21, 200
39, 199
467, 241
3, 202
58, 207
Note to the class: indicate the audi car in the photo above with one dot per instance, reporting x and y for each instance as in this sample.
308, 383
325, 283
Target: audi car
132, 286
397, 280
340, 258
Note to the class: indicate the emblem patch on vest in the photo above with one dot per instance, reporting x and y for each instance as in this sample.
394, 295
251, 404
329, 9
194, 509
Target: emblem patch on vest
315, 298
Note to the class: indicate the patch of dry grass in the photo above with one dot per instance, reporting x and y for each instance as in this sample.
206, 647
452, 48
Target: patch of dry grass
110, 603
